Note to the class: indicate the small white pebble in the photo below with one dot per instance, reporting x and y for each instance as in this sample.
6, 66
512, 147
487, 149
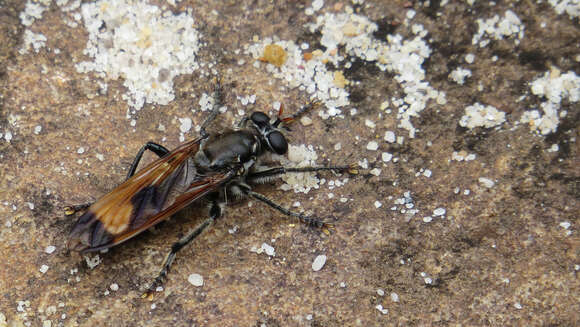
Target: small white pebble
378, 204
50, 249
37, 129
114, 287
387, 156
427, 219
195, 280
337, 146
427, 173
390, 136
565, 224
428, 280
517, 305
372, 146
380, 292
316, 5
384, 105
375, 171
394, 297
469, 58
186, 124
306, 121
319, 262
369, 123
439, 212
309, 317
268, 249
100, 157
81, 150
381, 309
486, 182
43, 269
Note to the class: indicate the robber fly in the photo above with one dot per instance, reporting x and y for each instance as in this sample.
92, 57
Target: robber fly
212, 167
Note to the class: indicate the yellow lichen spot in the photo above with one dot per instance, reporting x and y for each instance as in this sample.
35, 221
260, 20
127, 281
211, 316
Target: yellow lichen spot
274, 54
339, 79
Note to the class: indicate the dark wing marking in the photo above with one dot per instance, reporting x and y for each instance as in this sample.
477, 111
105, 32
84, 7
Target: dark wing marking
155, 192
197, 190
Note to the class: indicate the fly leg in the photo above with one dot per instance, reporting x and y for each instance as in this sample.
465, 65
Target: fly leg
158, 149
71, 210
268, 174
308, 220
214, 212
218, 96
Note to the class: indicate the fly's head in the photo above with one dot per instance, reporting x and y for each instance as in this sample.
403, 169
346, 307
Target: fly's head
268, 132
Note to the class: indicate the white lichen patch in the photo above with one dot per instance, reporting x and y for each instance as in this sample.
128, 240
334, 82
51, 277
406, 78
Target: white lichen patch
310, 75
347, 35
33, 10
141, 44
34, 41
299, 156
498, 28
555, 87
458, 75
570, 7
478, 115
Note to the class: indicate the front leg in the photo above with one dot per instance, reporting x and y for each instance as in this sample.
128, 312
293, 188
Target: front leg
267, 174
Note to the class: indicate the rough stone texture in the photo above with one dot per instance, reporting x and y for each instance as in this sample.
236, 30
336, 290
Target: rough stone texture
499, 257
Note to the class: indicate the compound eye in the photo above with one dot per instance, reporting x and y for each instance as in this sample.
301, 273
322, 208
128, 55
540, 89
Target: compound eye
260, 118
277, 142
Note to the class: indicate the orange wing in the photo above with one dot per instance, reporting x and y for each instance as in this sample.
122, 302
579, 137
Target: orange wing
148, 197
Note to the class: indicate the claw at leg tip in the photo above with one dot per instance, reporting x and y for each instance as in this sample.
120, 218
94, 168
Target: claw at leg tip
148, 295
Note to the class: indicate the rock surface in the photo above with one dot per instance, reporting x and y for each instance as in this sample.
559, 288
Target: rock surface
505, 252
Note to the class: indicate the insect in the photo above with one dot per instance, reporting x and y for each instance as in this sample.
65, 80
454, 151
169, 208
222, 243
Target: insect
213, 166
